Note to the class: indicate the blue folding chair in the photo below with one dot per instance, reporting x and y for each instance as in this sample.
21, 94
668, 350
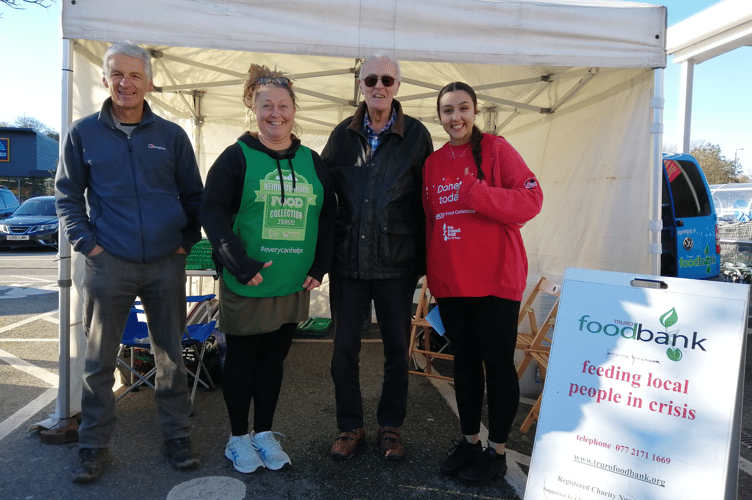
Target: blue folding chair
196, 338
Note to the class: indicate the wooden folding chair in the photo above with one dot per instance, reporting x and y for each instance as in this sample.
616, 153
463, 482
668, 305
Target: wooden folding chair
526, 340
420, 333
532, 343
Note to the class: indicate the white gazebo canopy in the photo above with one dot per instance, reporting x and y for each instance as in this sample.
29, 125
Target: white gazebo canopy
574, 85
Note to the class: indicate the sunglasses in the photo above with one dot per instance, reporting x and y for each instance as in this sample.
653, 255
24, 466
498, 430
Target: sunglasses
278, 80
372, 80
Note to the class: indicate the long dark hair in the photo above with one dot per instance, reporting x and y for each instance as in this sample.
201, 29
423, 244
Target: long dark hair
476, 136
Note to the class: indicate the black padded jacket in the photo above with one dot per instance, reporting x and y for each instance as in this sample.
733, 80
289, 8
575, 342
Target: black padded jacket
380, 228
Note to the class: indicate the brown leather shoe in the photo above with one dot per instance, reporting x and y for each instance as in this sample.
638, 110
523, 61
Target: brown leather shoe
390, 443
347, 443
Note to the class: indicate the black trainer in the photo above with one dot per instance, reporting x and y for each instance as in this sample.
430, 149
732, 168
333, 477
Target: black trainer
181, 454
489, 466
91, 464
461, 456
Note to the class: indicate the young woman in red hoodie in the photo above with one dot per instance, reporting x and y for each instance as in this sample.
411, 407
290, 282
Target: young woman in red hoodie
478, 194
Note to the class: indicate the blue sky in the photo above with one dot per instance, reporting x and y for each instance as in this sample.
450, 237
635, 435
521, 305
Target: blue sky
721, 107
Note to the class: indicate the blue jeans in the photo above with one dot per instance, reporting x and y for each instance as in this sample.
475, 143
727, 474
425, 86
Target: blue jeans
110, 287
351, 304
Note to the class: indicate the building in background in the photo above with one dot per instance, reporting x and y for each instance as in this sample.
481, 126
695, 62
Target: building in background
28, 161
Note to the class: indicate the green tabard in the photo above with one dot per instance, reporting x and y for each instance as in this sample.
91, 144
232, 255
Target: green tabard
270, 230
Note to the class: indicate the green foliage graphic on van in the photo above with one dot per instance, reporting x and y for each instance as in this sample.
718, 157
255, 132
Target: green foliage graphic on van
699, 261
707, 252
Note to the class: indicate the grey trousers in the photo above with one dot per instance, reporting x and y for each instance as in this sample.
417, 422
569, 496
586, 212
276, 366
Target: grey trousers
110, 287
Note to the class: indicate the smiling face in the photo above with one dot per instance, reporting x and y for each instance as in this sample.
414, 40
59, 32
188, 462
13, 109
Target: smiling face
128, 85
379, 98
275, 116
457, 115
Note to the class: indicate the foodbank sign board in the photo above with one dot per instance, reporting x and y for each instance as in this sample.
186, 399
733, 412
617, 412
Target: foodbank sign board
641, 398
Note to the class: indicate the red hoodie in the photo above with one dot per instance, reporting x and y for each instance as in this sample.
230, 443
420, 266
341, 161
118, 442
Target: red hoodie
474, 244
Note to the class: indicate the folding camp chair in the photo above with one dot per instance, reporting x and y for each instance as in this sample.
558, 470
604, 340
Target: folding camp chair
196, 338
532, 343
135, 338
201, 322
420, 335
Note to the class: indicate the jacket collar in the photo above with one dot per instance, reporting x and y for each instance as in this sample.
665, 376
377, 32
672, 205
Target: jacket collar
399, 122
105, 114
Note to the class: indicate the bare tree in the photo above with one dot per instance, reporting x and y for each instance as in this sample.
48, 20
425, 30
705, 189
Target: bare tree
20, 4
15, 4
34, 124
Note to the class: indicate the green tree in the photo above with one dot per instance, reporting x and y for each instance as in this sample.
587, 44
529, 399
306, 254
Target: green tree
717, 168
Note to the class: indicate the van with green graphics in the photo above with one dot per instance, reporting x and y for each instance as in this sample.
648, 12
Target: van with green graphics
689, 238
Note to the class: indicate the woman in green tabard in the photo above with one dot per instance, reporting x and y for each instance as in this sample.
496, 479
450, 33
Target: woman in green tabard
268, 210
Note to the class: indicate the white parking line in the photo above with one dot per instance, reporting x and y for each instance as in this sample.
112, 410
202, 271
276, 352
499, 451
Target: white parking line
26, 321
48, 396
30, 340
745, 465
20, 292
17, 419
31, 369
25, 278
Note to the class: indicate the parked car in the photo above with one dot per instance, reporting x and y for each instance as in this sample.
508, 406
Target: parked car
8, 202
33, 223
690, 226
733, 202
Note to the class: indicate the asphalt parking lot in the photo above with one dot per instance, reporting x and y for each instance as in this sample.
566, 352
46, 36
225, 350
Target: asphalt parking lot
305, 416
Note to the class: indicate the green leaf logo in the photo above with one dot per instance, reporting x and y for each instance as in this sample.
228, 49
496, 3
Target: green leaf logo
674, 354
670, 318
707, 249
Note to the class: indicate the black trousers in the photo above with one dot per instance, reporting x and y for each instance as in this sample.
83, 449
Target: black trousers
351, 304
483, 330
253, 372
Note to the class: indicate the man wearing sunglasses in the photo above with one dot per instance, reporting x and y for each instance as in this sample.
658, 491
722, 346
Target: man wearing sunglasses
376, 161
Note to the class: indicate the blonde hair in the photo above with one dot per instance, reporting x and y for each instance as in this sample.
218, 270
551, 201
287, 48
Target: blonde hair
252, 85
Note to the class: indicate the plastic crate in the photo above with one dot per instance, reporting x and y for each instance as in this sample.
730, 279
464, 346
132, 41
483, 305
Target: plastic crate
315, 326
200, 257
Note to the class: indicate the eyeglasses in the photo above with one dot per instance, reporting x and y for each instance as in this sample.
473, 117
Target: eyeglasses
279, 80
372, 80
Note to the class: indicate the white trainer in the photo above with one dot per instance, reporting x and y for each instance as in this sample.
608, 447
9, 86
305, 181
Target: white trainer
268, 448
241, 451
